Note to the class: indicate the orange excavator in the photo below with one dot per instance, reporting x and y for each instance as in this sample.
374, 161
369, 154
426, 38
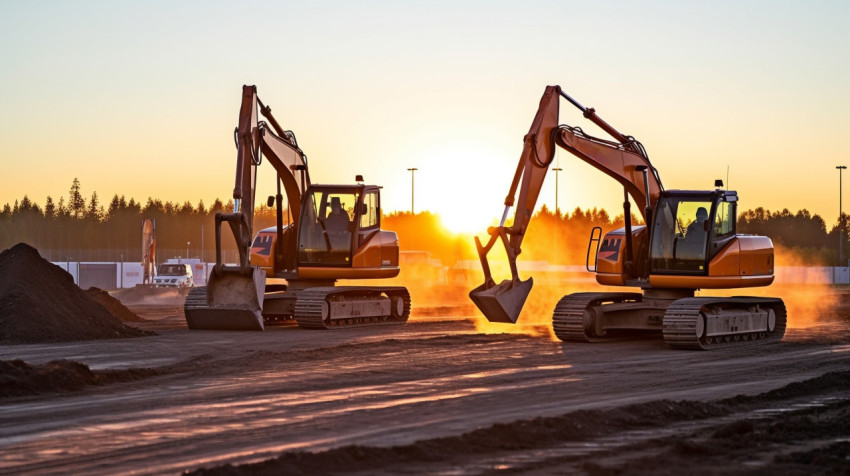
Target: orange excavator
691, 243
334, 234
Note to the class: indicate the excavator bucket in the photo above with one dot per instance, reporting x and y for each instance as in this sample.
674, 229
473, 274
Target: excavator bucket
503, 302
234, 302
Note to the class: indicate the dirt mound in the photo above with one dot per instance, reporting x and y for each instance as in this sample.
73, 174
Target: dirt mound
39, 302
113, 305
17, 378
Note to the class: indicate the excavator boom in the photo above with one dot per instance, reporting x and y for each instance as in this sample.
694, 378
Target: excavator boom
503, 302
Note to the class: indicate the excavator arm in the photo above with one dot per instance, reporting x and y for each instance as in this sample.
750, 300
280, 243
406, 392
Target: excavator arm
254, 140
624, 159
234, 295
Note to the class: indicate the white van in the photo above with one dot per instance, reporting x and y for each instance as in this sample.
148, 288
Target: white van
175, 275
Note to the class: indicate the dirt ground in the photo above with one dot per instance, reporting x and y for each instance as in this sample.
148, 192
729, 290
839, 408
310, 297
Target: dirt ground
435, 396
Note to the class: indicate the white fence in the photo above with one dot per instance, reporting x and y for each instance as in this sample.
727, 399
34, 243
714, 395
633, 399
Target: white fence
813, 275
116, 275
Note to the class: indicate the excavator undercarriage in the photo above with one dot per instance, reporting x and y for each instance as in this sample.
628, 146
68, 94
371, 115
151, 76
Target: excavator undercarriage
311, 308
686, 323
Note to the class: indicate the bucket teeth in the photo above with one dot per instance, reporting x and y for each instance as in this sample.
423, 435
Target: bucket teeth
501, 303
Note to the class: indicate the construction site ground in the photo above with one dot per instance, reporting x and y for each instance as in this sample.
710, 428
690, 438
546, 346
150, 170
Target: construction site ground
438, 395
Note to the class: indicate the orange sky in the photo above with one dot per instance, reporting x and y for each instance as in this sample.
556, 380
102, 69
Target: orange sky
141, 100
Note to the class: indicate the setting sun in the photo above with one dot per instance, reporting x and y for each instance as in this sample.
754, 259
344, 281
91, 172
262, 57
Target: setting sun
467, 196
459, 221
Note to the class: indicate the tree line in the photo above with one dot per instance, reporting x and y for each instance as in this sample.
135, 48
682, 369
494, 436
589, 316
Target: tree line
87, 229
803, 232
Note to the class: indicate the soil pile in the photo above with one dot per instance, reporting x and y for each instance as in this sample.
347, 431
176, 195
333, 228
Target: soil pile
113, 305
39, 302
17, 378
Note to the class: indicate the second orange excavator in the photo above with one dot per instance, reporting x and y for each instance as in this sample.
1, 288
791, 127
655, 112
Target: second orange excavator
334, 233
691, 243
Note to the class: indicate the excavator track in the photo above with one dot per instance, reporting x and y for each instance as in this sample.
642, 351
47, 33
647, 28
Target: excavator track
314, 307
717, 322
701, 323
568, 320
196, 299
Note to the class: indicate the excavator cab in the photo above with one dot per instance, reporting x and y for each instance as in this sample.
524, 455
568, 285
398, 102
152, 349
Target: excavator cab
326, 226
693, 245
689, 229
336, 221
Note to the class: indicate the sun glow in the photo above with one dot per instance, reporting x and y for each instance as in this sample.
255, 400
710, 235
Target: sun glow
465, 185
460, 221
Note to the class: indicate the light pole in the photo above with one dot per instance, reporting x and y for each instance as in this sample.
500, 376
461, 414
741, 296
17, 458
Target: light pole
556, 170
187, 249
412, 173
840, 227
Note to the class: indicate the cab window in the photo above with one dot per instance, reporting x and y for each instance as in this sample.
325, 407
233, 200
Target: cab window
724, 219
325, 228
680, 235
370, 211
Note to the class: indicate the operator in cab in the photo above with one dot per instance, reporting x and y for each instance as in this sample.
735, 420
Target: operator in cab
337, 224
338, 219
696, 230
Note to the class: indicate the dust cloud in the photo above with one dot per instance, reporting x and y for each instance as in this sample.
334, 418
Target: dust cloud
807, 302
534, 320
554, 254
440, 268
805, 289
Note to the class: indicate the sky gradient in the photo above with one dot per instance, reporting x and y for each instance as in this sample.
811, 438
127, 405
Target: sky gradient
140, 99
